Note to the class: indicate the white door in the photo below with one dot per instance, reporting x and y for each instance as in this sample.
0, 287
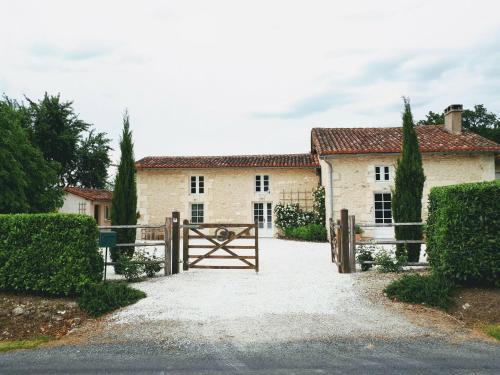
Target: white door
383, 215
263, 214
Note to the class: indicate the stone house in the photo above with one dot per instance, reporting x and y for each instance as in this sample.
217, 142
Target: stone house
92, 202
355, 165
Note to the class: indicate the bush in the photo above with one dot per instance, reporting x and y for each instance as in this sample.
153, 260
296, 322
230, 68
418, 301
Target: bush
310, 232
365, 253
100, 298
54, 254
389, 263
141, 263
463, 232
432, 290
292, 216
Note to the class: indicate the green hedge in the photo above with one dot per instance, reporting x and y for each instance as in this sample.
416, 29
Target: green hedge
309, 232
463, 232
53, 254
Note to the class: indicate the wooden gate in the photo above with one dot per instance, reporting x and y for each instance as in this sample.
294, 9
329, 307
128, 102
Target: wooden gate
220, 244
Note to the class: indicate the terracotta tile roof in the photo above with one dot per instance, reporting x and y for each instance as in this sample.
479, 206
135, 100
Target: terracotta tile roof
237, 161
432, 138
90, 194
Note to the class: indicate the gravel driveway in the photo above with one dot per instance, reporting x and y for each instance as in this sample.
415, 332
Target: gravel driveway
298, 294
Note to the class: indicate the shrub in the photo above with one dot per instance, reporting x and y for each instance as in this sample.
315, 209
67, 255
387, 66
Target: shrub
292, 216
309, 232
389, 263
134, 267
432, 290
100, 298
463, 232
365, 253
48, 253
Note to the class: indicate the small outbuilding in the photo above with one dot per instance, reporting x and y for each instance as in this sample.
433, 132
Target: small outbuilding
92, 202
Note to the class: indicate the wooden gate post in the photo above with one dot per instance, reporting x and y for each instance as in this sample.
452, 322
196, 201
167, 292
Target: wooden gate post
168, 247
185, 245
344, 241
352, 243
176, 217
256, 233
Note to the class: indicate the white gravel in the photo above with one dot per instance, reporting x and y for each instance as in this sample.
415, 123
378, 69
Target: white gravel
297, 294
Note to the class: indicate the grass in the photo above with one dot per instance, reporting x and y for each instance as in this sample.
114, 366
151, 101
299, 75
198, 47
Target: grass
23, 344
493, 330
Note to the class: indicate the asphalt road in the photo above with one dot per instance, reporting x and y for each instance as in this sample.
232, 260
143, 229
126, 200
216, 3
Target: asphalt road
338, 356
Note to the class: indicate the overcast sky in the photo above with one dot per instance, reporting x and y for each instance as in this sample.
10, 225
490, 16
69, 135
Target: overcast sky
246, 77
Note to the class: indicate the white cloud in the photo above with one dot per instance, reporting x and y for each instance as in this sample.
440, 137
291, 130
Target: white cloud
194, 74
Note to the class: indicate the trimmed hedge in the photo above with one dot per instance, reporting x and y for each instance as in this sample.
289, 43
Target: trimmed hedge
430, 289
309, 232
463, 232
101, 298
54, 254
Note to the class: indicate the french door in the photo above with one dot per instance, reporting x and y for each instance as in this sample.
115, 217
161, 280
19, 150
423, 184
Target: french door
263, 214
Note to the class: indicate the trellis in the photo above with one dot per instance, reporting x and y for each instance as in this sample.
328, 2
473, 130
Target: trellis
304, 198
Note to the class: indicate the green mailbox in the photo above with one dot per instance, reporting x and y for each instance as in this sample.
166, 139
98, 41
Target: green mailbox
107, 239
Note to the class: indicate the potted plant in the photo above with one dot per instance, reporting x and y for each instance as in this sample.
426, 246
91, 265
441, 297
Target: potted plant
358, 232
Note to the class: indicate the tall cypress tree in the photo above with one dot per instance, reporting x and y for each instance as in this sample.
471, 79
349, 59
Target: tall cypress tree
409, 185
124, 204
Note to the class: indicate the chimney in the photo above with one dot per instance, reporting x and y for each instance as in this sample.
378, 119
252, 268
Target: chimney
453, 118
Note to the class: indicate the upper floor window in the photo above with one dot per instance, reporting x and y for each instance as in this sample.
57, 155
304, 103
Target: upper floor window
262, 183
382, 173
197, 184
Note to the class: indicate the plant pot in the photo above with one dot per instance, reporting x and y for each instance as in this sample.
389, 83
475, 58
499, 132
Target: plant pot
357, 237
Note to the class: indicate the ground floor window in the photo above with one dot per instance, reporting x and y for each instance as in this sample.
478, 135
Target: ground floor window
383, 213
107, 213
197, 213
263, 214
82, 208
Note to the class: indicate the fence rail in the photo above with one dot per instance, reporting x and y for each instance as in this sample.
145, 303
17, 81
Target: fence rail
343, 241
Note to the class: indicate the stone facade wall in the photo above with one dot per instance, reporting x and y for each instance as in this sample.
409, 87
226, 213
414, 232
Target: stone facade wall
229, 192
354, 182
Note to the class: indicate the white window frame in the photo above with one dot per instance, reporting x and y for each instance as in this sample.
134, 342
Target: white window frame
199, 185
82, 208
261, 186
383, 172
196, 220
383, 209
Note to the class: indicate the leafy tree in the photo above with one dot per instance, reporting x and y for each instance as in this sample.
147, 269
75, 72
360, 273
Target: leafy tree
409, 185
93, 161
59, 133
477, 120
28, 181
56, 130
124, 203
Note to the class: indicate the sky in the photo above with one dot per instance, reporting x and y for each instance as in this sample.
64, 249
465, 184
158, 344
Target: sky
249, 77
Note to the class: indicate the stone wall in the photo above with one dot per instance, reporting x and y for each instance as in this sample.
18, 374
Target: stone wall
229, 192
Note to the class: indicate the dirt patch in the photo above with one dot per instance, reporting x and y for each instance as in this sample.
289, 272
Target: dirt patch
476, 306
25, 317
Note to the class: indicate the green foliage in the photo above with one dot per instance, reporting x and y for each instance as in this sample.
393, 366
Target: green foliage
93, 161
430, 290
477, 120
309, 232
319, 204
358, 229
389, 263
56, 130
365, 253
124, 203
292, 216
409, 185
493, 330
6, 346
141, 263
100, 298
463, 232
54, 254
29, 183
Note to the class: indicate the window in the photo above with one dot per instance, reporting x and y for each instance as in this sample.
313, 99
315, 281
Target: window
262, 183
197, 213
107, 213
197, 184
383, 213
382, 173
82, 208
